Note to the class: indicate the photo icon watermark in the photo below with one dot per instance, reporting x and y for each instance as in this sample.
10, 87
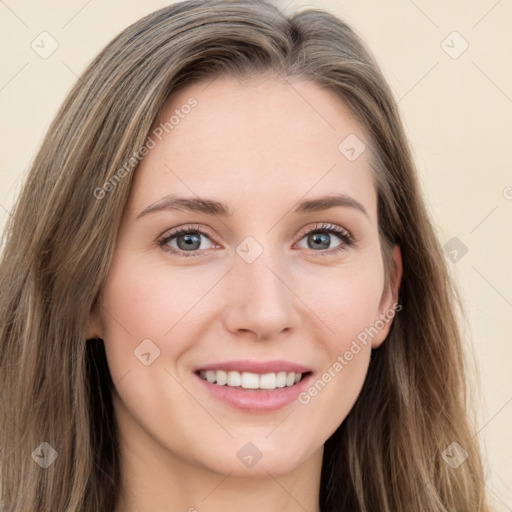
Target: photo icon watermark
146, 352
454, 455
454, 45
45, 45
249, 455
249, 249
45, 455
352, 147
455, 249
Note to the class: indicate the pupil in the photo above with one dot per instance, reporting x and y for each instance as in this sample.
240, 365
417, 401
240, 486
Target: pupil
322, 238
189, 241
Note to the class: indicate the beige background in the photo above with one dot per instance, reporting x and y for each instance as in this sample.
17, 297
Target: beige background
457, 112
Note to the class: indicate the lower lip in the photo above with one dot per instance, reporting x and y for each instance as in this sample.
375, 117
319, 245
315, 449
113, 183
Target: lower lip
256, 400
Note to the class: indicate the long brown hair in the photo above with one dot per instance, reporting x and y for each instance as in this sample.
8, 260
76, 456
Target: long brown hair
55, 386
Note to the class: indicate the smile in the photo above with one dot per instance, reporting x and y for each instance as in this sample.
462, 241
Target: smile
254, 386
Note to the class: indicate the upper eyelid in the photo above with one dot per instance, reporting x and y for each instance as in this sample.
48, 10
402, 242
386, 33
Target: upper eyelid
171, 233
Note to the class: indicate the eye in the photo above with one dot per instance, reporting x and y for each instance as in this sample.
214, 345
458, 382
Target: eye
183, 240
320, 237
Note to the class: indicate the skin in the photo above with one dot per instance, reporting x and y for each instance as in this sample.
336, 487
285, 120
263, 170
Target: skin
259, 146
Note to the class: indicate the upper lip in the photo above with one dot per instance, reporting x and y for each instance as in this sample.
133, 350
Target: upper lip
260, 367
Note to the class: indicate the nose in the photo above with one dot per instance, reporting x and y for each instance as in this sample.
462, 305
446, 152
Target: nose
260, 300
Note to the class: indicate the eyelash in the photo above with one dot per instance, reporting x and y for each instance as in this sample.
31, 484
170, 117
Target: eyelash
343, 234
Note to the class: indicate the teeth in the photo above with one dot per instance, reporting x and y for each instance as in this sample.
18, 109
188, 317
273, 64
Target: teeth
281, 380
222, 378
248, 380
234, 379
268, 381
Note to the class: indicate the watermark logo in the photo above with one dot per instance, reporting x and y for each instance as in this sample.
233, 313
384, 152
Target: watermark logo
454, 45
454, 455
352, 147
45, 455
249, 455
45, 45
249, 249
146, 352
455, 249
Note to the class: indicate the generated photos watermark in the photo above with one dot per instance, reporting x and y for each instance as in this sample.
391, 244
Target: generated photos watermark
343, 360
149, 144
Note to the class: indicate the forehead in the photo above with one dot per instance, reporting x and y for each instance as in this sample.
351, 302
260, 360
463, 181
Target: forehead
259, 140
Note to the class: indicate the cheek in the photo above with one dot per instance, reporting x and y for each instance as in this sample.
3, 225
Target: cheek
347, 301
148, 298
145, 312
349, 306
141, 303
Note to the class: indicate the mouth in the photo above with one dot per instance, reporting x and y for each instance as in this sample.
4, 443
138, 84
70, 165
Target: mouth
254, 386
249, 380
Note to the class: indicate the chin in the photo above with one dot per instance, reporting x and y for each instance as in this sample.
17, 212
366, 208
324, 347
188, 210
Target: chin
254, 458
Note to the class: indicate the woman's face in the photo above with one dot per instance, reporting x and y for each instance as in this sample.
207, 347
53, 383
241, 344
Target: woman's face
279, 284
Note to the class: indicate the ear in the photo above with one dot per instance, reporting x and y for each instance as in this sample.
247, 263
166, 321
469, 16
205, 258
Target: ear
94, 328
389, 302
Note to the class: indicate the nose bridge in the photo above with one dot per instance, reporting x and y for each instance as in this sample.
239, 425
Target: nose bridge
261, 276
260, 299
261, 273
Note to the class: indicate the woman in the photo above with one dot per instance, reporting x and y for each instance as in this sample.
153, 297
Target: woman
172, 338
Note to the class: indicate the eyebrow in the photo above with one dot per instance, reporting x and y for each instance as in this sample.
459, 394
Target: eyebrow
218, 208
